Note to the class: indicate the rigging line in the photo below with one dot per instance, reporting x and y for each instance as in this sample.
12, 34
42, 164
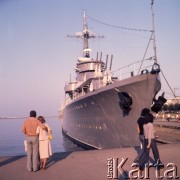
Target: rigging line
145, 52
119, 27
131, 64
128, 72
166, 92
168, 84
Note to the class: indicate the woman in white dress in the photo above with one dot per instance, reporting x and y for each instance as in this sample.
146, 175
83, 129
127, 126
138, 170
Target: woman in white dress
44, 143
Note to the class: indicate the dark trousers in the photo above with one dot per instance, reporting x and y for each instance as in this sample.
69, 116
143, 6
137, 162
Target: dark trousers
145, 155
155, 150
141, 138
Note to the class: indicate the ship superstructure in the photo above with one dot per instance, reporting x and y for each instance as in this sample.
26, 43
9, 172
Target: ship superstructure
91, 73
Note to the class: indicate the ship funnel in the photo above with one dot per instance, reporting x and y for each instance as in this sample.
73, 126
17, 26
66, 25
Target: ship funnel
101, 56
106, 62
111, 63
97, 56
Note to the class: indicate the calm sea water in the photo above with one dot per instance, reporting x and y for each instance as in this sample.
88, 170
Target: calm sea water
12, 138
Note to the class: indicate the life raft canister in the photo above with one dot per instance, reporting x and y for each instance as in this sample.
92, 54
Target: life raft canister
155, 68
144, 71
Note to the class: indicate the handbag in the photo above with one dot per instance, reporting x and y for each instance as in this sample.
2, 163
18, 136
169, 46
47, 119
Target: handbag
50, 136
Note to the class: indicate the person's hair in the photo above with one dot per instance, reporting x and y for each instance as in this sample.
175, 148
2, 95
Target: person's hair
41, 119
145, 111
33, 113
150, 118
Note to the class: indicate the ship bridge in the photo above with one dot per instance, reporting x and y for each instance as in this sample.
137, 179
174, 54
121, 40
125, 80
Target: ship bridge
90, 65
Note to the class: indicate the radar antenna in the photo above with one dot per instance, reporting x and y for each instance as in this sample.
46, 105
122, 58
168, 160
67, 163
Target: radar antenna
86, 34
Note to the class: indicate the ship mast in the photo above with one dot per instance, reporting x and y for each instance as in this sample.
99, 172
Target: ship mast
86, 35
153, 31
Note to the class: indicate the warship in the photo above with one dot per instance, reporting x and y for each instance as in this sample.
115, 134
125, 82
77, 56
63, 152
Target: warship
101, 110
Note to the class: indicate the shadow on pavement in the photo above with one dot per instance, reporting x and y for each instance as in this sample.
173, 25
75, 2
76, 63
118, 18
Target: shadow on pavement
10, 160
57, 157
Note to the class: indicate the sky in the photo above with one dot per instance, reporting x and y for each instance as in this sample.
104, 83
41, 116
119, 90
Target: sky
37, 58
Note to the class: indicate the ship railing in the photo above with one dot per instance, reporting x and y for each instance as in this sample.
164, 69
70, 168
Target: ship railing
133, 69
80, 94
75, 96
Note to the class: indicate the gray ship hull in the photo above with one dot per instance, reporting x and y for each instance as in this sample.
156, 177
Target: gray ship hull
96, 119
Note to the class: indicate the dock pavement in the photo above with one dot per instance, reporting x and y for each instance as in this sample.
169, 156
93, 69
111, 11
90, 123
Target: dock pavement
93, 165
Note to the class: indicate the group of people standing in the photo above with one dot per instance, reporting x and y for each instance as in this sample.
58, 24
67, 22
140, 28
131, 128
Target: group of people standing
37, 133
148, 141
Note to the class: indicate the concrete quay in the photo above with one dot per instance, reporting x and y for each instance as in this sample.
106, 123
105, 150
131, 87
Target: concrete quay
172, 124
89, 165
171, 128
